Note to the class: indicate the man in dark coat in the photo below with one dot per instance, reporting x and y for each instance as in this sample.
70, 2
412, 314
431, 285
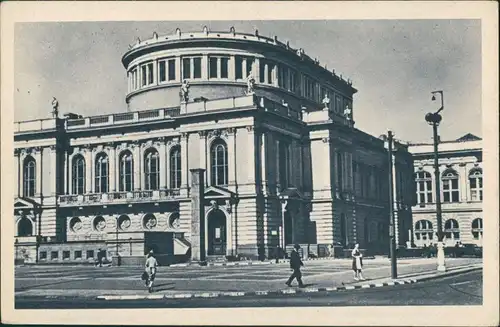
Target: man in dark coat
295, 264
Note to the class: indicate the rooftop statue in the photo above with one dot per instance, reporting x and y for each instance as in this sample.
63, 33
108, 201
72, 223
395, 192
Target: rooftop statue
325, 101
184, 93
348, 113
250, 84
55, 107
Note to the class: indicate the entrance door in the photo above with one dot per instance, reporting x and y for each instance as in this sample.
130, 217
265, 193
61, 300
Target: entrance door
217, 233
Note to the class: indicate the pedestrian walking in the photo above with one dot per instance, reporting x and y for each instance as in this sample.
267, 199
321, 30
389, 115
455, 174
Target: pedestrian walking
151, 265
295, 264
357, 263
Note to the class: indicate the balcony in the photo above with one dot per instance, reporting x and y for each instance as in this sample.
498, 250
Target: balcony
118, 197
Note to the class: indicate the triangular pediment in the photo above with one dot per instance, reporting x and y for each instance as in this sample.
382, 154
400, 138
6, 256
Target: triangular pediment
218, 192
468, 137
20, 203
291, 192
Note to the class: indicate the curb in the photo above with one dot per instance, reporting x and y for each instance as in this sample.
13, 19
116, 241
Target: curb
448, 274
253, 293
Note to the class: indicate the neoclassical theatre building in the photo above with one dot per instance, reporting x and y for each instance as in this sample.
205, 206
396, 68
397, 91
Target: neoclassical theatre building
461, 170
272, 129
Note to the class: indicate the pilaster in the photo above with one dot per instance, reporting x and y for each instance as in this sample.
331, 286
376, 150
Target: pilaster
163, 164
88, 169
184, 161
203, 153
53, 170
231, 144
112, 167
137, 166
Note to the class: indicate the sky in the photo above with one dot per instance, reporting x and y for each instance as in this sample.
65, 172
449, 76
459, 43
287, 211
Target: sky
394, 65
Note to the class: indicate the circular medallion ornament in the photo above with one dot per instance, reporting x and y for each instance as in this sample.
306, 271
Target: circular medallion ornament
150, 222
99, 224
124, 222
75, 225
174, 221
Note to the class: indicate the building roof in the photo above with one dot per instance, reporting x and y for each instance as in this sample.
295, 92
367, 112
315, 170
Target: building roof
468, 137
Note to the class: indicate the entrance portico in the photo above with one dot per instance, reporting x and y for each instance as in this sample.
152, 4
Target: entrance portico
292, 227
220, 221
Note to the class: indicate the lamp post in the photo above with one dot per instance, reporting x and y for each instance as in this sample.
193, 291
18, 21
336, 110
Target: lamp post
118, 263
392, 225
434, 119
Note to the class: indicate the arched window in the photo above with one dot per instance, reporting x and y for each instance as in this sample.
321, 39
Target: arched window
78, 175
126, 172
451, 230
219, 168
424, 187
477, 228
24, 227
450, 186
175, 168
424, 231
101, 173
476, 185
151, 170
29, 177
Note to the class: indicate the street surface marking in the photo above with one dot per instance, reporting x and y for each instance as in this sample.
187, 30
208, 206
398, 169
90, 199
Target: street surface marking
462, 283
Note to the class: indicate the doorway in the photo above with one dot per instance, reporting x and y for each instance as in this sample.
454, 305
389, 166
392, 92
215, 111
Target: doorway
288, 228
216, 233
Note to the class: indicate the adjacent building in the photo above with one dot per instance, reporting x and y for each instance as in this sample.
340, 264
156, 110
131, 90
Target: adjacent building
272, 129
461, 171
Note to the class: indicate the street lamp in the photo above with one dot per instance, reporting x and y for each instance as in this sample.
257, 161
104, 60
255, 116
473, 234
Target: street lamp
392, 225
434, 119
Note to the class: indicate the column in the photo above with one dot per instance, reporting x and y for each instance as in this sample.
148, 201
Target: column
141, 168
229, 232
88, 169
263, 162
266, 74
39, 171
53, 171
163, 165
116, 164
204, 67
277, 172
231, 145
197, 215
20, 178
112, 168
463, 183
184, 160
178, 76
137, 166
256, 70
66, 172
300, 167
251, 155
231, 73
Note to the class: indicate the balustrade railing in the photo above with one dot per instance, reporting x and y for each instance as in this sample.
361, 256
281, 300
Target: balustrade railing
118, 197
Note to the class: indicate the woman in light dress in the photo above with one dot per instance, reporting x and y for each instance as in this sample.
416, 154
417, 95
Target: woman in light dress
357, 263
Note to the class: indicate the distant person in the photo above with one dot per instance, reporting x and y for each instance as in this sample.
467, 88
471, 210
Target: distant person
357, 263
99, 258
151, 265
330, 250
295, 264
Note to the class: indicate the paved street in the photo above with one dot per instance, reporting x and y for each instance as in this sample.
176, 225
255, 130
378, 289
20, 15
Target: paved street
463, 289
87, 281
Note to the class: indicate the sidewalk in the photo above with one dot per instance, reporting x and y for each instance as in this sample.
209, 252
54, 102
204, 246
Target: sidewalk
268, 281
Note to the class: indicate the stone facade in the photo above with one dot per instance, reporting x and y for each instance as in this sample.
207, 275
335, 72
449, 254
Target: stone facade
283, 162
461, 170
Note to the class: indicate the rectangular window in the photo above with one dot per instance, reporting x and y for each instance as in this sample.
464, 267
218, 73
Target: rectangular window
238, 67
186, 68
78, 254
90, 254
212, 67
293, 80
43, 255
143, 76
262, 71
54, 255
162, 71
65, 255
338, 104
150, 73
270, 79
224, 64
249, 66
171, 69
197, 67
